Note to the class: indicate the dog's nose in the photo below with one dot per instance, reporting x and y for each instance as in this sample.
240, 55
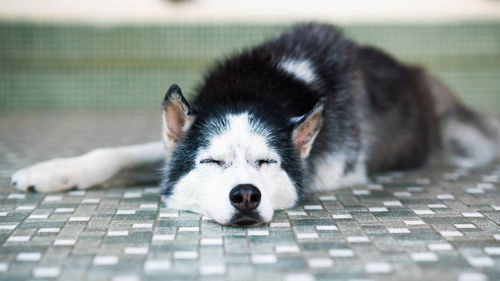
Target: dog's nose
245, 197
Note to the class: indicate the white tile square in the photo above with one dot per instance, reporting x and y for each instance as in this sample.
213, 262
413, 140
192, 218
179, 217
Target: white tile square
327, 198
216, 269
33, 256
64, 242
18, 238
485, 185
148, 206
185, 255
357, 239
105, 260
163, 237
211, 241
3, 214
342, 216
378, 209
52, 198
117, 232
78, 219
341, 253
451, 233
253, 232
8, 226
437, 206
481, 261
157, 265
77, 193
424, 256
474, 190
131, 194
392, 203
492, 251
445, 196
287, 249
319, 262
91, 201
378, 267
136, 250
464, 225
440, 247
64, 210
189, 229
169, 215
424, 212
142, 225
294, 213
415, 222
313, 207
4, 267
326, 227
125, 212
398, 230
472, 215
25, 208
299, 277
39, 216
46, 272
16, 196
49, 230
125, 278
279, 224
472, 276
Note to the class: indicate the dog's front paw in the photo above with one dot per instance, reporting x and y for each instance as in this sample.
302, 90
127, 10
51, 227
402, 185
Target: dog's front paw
85, 171
49, 176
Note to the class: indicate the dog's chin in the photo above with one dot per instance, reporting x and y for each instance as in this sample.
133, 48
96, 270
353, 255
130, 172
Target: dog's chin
246, 220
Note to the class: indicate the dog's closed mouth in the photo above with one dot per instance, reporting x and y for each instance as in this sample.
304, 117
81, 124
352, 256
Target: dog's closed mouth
246, 220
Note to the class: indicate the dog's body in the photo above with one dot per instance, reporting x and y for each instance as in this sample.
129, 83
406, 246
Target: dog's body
307, 110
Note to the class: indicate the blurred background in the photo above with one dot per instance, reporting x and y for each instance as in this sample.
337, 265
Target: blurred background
124, 54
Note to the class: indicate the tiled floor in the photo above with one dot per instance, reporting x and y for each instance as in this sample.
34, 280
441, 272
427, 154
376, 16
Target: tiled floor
440, 224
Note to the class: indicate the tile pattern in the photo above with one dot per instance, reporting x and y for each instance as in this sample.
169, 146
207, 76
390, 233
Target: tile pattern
440, 224
127, 234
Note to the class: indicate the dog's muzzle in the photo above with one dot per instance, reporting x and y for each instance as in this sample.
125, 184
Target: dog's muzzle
245, 198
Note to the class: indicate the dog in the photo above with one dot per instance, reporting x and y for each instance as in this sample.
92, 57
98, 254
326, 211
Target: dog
305, 111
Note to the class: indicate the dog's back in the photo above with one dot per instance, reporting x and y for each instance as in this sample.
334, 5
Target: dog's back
380, 114
415, 119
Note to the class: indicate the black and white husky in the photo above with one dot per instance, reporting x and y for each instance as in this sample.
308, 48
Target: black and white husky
305, 111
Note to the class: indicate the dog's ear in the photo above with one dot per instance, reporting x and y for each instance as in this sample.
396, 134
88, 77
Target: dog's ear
176, 116
306, 128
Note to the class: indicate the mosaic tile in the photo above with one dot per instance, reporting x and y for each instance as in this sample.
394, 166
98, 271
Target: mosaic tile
440, 224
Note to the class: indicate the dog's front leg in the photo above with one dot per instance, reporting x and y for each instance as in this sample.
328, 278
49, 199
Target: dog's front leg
100, 167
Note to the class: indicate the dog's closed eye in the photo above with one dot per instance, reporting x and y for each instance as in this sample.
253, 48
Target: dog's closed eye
212, 161
262, 162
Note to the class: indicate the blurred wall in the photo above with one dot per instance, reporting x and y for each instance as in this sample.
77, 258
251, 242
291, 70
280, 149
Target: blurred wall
124, 54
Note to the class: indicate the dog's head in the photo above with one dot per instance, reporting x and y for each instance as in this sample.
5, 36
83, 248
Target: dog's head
234, 165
